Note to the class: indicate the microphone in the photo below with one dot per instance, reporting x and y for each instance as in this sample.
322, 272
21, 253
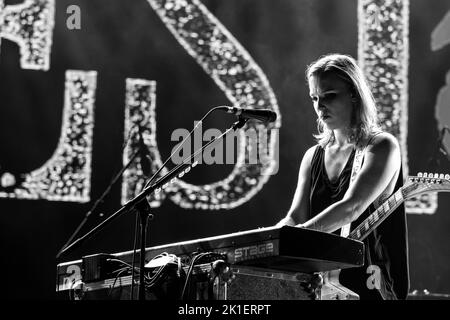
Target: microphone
264, 115
144, 154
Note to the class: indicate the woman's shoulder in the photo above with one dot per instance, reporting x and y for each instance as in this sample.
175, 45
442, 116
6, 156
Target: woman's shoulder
383, 141
382, 137
309, 154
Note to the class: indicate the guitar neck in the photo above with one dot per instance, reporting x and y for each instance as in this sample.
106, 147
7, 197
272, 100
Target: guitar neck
414, 186
377, 217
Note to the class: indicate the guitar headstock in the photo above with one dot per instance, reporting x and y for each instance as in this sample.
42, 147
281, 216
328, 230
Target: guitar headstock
426, 183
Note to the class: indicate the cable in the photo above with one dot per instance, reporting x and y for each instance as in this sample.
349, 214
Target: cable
153, 279
127, 267
115, 279
191, 268
121, 261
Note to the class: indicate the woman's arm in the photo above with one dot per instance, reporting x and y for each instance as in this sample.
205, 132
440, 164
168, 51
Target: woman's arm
381, 164
299, 209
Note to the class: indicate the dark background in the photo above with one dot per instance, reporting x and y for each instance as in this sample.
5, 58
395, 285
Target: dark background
126, 39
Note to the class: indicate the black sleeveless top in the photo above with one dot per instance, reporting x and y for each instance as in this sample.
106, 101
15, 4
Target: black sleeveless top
385, 248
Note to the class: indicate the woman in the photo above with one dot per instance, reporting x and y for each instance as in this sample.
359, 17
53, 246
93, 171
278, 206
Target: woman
327, 198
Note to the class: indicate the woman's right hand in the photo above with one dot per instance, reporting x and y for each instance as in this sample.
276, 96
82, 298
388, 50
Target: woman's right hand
287, 221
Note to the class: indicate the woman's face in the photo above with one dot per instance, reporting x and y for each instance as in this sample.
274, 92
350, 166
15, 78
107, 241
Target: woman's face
332, 100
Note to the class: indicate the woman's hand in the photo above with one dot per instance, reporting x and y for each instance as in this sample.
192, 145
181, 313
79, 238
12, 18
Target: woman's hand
287, 221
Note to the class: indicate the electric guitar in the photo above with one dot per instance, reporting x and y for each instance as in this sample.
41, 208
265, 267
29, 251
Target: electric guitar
414, 186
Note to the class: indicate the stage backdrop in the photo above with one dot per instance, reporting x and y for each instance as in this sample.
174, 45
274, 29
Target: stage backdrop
79, 78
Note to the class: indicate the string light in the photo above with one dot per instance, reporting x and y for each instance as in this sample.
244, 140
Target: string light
30, 25
383, 54
66, 175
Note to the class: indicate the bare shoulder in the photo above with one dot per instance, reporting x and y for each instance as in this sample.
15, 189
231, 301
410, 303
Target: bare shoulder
384, 143
307, 160
309, 153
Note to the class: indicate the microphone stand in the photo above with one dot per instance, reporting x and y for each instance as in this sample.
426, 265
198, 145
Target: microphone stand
140, 204
97, 202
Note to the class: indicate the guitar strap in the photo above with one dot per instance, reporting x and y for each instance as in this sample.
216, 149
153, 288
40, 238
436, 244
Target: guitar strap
357, 163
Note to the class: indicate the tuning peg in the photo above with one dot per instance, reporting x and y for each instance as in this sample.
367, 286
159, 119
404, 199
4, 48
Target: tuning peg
430, 175
420, 174
441, 176
447, 176
425, 175
181, 174
157, 190
195, 163
436, 175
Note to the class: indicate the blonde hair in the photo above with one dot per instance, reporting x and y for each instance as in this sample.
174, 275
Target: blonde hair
364, 116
